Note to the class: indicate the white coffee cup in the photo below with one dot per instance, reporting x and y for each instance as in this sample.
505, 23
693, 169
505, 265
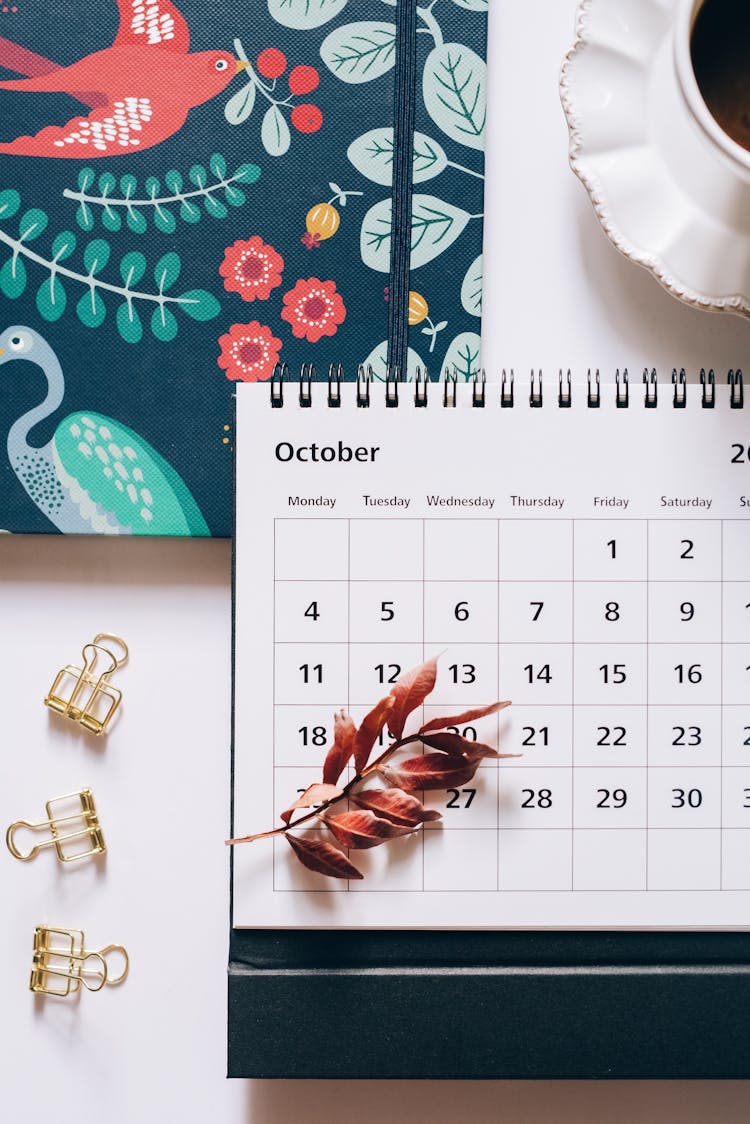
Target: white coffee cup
730, 152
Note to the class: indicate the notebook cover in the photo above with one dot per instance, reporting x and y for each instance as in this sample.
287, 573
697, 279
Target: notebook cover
196, 224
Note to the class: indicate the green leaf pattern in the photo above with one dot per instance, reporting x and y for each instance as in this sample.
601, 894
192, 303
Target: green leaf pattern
372, 156
435, 226
304, 15
275, 132
471, 290
455, 93
453, 100
376, 363
91, 306
113, 200
463, 357
360, 52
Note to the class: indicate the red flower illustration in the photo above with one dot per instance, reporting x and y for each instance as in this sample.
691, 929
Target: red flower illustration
314, 309
251, 268
249, 352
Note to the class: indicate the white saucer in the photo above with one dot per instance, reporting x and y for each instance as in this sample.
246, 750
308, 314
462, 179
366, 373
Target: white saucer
662, 194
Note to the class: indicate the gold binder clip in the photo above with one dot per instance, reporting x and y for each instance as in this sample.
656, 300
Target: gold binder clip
60, 955
85, 694
69, 818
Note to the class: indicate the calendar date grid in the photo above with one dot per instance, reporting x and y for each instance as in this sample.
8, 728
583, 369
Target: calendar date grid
631, 778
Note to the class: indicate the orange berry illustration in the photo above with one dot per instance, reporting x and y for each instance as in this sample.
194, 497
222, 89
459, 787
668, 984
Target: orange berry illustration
324, 220
417, 308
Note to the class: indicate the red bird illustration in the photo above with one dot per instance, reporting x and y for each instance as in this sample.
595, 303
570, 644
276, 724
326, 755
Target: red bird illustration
142, 87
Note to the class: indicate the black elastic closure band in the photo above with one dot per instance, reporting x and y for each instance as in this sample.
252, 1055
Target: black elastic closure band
404, 114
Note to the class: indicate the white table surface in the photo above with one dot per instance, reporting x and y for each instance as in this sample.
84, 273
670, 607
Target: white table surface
154, 1049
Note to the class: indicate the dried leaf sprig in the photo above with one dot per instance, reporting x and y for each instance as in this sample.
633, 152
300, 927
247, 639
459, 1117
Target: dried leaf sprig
381, 814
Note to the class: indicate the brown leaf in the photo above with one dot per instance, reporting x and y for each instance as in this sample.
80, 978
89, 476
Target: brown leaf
460, 719
338, 755
456, 745
409, 692
313, 794
432, 770
395, 805
480, 751
362, 830
369, 731
322, 857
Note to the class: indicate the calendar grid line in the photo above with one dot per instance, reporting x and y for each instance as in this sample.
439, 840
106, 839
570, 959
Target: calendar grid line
664, 841
499, 696
348, 640
487, 581
721, 717
508, 765
506, 891
648, 724
564, 830
273, 716
348, 610
573, 693
424, 565
674, 519
479, 701
525, 643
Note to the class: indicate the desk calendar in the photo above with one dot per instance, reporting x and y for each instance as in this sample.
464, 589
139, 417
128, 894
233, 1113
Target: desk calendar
591, 565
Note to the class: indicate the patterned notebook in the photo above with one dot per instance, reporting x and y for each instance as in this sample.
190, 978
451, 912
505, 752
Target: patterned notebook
245, 183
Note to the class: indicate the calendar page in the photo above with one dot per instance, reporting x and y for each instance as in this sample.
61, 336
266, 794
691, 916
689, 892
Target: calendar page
592, 566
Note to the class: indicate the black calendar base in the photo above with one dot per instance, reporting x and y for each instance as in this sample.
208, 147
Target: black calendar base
489, 1005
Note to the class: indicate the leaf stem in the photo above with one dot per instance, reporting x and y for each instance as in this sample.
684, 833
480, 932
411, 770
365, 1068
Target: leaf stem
255, 80
431, 23
467, 171
151, 201
16, 245
368, 771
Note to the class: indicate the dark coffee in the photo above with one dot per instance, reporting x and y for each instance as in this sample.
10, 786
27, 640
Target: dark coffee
720, 49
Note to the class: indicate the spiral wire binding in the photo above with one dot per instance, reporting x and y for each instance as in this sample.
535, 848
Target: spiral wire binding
335, 375
536, 396
280, 371
449, 390
708, 389
479, 390
565, 391
364, 380
392, 380
306, 378
622, 390
507, 390
478, 383
737, 394
594, 399
421, 383
679, 381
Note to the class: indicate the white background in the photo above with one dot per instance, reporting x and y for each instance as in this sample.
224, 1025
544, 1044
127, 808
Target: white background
154, 1050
